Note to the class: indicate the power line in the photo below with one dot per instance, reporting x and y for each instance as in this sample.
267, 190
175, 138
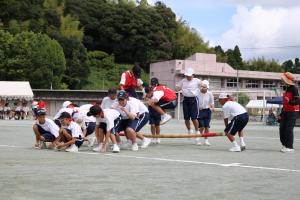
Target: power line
271, 47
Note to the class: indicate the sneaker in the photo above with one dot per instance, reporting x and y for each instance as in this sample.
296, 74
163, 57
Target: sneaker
153, 140
243, 147
235, 149
198, 141
146, 143
135, 147
91, 140
165, 118
287, 150
72, 148
98, 148
116, 149
157, 141
191, 131
42, 145
206, 143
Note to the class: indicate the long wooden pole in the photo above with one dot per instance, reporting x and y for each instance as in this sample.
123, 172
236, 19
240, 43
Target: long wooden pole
211, 134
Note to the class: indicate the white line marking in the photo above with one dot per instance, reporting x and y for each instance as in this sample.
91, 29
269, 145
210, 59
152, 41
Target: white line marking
181, 161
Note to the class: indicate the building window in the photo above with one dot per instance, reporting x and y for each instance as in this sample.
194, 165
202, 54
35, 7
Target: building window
252, 84
269, 84
231, 83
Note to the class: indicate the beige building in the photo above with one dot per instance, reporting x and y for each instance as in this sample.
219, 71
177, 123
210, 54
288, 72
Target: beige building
222, 77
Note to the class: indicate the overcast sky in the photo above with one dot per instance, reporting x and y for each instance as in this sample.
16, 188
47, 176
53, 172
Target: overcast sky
268, 28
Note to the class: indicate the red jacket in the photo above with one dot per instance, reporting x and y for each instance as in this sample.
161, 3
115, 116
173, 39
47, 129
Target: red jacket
286, 106
169, 95
130, 81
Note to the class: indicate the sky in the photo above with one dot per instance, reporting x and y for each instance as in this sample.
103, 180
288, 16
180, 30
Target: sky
261, 28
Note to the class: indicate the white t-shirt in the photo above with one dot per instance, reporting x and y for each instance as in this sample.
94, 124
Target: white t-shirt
141, 107
205, 100
109, 117
157, 95
232, 109
68, 110
49, 126
123, 80
190, 88
83, 110
130, 107
75, 129
107, 102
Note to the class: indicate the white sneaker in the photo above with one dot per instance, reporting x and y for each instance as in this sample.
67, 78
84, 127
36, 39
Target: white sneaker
91, 140
157, 141
165, 118
72, 148
98, 148
134, 147
191, 131
146, 142
153, 140
235, 149
42, 145
116, 149
198, 141
206, 143
287, 150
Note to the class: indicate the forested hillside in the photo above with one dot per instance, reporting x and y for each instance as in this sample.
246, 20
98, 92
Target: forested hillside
86, 44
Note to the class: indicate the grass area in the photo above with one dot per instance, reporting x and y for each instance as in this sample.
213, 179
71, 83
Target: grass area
102, 79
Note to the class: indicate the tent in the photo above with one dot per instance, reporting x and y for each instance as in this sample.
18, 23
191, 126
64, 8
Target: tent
260, 104
10, 90
275, 100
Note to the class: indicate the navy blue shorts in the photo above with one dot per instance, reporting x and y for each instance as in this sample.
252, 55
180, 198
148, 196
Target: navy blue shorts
131, 92
46, 134
90, 127
154, 116
79, 140
167, 104
204, 118
190, 108
115, 129
142, 121
237, 124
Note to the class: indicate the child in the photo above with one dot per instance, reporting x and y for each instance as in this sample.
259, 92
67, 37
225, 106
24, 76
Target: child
70, 133
239, 119
45, 130
109, 120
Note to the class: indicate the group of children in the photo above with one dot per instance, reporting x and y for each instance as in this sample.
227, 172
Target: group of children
19, 110
122, 115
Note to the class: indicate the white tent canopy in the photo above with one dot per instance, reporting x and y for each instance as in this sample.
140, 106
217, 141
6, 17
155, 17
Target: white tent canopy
15, 90
260, 104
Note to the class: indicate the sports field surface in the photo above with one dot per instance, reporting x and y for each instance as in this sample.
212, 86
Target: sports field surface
174, 169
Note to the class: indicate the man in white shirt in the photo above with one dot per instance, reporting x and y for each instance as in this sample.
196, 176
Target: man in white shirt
87, 123
110, 99
45, 130
190, 90
108, 121
133, 118
70, 133
206, 105
239, 118
68, 107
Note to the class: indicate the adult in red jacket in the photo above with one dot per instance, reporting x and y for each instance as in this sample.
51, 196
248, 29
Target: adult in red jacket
161, 97
130, 81
288, 115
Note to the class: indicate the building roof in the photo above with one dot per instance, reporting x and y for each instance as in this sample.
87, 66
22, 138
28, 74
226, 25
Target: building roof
15, 90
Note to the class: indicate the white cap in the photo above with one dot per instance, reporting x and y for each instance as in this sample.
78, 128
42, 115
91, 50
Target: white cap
223, 96
189, 72
66, 104
205, 82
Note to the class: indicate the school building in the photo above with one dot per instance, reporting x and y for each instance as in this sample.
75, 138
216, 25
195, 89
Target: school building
222, 77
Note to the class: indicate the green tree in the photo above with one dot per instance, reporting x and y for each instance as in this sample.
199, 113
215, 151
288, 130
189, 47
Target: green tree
36, 58
234, 58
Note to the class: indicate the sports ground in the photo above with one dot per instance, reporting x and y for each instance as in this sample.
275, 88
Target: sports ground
174, 169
